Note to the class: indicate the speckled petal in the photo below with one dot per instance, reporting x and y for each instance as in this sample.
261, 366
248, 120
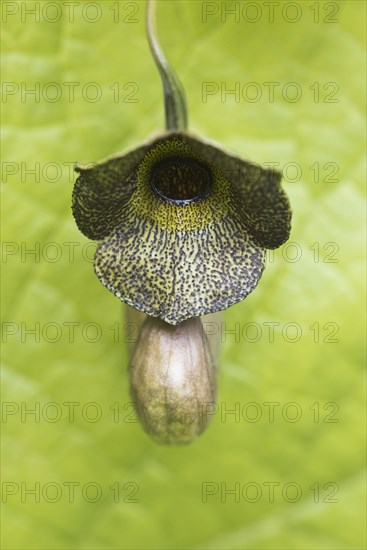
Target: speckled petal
262, 201
176, 276
101, 191
183, 225
177, 261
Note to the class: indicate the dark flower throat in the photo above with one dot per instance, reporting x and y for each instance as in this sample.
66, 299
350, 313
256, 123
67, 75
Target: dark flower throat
181, 180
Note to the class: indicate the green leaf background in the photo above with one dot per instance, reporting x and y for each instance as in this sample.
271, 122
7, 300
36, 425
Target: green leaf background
313, 291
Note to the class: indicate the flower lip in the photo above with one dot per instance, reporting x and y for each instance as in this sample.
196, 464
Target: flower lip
181, 180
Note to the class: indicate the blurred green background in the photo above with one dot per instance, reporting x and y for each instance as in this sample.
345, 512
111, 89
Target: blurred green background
309, 371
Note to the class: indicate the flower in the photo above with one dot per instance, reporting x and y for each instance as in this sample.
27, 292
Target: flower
182, 225
183, 228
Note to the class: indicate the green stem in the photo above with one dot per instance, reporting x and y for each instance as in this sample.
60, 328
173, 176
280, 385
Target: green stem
174, 95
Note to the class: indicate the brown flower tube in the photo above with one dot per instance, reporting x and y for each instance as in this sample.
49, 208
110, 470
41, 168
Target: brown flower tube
173, 380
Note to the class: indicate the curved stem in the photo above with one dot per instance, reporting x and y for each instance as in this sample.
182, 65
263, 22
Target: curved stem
174, 95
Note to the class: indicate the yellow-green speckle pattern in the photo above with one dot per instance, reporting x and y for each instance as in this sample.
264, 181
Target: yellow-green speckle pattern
172, 260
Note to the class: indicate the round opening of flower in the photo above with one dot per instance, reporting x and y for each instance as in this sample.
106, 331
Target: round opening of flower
181, 180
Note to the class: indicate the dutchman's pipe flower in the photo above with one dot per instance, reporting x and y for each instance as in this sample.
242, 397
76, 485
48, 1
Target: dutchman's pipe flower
183, 228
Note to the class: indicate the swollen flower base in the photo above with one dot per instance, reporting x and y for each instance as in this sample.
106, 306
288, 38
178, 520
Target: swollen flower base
173, 380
